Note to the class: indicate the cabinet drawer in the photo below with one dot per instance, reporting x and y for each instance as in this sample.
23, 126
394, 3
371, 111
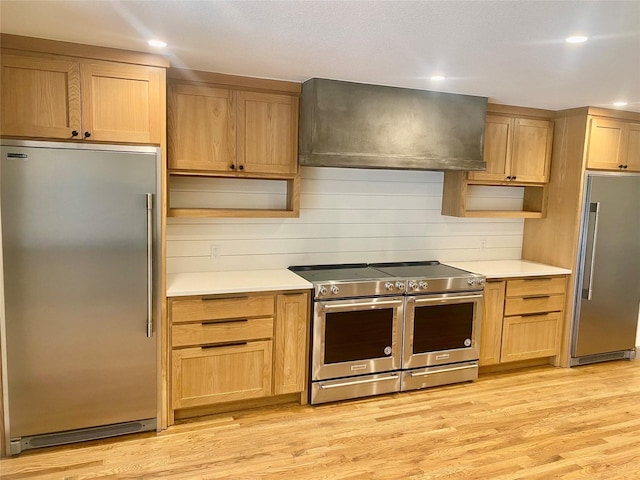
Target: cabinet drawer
205, 308
535, 286
524, 305
202, 376
533, 336
221, 331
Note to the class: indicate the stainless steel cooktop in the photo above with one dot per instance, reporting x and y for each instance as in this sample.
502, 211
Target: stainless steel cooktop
362, 279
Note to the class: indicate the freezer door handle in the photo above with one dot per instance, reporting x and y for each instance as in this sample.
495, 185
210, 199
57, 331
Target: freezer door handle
587, 288
149, 264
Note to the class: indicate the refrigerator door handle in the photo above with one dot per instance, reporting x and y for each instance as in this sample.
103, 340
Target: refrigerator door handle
587, 291
149, 197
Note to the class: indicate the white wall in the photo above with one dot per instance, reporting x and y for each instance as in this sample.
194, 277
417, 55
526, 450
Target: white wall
346, 215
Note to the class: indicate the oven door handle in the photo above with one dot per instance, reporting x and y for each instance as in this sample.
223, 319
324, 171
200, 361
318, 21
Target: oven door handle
355, 306
442, 370
393, 376
441, 299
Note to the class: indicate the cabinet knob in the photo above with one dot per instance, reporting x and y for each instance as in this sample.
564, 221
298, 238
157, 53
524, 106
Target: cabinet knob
87, 134
513, 178
74, 133
620, 166
625, 166
232, 166
508, 178
241, 167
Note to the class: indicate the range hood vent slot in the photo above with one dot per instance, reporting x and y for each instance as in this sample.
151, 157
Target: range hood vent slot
345, 124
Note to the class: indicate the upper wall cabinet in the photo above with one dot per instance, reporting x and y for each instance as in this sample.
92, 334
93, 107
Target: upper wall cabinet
517, 152
238, 128
50, 96
516, 149
219, 129
613, 144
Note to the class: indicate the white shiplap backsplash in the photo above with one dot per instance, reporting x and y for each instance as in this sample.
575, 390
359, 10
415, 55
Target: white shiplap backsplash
346, 215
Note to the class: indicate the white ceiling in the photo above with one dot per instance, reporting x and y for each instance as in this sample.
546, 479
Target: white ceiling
510, 51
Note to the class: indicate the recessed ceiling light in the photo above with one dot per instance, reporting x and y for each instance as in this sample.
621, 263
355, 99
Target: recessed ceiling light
619, 104
577, 39
437, 78
157, 43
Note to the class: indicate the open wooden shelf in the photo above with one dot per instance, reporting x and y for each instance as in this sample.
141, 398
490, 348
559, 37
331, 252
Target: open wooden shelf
291, 210
456, 191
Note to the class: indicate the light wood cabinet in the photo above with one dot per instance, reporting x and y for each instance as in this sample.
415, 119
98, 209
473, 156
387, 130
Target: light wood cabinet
290, 359
238, 347
201, 128
613, 145
225, 131
491, 328
40, 97
516, 149
522, 319
517, 152
221, 373
67, 98
235, 127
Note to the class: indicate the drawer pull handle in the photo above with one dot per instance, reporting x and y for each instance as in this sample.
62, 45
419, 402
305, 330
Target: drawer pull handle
206, 299
220, 345
215, 322
532, 297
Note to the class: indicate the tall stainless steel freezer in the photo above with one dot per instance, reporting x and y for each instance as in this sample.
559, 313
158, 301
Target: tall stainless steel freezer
80, 228
608, 286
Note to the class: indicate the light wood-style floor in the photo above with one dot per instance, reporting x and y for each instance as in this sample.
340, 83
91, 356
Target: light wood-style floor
540, 423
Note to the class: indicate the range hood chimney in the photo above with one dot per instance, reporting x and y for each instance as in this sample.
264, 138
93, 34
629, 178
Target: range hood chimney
345, 124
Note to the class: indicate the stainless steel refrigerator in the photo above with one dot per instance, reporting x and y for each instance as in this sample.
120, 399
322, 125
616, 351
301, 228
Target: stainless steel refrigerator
80, 232
608, 286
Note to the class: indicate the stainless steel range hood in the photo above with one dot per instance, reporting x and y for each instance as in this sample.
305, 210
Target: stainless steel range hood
345, 124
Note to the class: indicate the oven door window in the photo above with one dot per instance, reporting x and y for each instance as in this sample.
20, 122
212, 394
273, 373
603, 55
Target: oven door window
358, 335
442, 327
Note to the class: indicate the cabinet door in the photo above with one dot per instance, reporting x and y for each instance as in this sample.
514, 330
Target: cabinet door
267, 133
207, 375
605, 149
491, 326
40, 97
533, 336
531, 157
633, 148
121, 103
201, 128
497, 149
291, 343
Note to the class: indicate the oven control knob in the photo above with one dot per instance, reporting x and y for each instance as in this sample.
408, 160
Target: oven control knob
413, 285
388, 286
334, 289
481, 281
399, 285
423, 284
323, 290
471, 281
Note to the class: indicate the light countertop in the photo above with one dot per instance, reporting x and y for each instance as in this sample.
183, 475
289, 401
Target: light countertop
211, 283
509, 268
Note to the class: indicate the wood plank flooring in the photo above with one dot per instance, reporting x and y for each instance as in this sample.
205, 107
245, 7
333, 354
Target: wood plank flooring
539, 423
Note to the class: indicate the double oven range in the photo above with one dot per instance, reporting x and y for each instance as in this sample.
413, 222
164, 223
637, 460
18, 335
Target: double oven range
389, 327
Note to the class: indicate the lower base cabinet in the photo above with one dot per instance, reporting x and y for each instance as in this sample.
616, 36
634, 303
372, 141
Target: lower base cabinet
230, 348
522, 319
223, 373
